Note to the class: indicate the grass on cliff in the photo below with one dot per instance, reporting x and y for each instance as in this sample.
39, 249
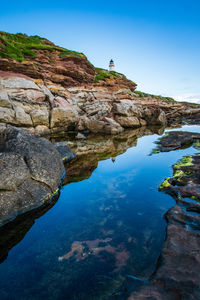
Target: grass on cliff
103, 74
158, 97
20, 46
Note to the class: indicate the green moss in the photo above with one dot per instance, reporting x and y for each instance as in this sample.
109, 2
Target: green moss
158, 148
184, 162
155, 151
55, 192
51, 195
196, 144
165, 184
178, 173
165, 135
21, 46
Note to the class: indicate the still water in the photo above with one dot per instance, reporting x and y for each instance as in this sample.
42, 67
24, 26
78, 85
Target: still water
106, 226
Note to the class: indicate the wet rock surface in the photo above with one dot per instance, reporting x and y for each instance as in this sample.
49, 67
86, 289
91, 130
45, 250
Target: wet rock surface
177, 274
30, 169
65, 151
176, 140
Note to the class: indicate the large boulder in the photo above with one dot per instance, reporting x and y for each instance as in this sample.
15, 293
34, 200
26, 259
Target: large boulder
30, 172
100, 108
22, 118
40, 117
128, 122
63, 117
155, 116
106, 126
12, 82
4, 100
127, 108
7, 115
27, 95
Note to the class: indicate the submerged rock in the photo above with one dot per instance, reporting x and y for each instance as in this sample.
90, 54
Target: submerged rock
30, 172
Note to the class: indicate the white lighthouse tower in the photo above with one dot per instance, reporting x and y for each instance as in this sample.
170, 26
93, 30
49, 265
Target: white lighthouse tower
111, 65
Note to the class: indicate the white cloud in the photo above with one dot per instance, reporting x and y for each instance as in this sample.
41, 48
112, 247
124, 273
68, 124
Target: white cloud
194, 98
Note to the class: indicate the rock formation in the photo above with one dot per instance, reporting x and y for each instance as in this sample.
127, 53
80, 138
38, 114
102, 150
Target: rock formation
46, 88
30, 172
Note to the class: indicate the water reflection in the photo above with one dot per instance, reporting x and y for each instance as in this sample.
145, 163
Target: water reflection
88, 153
101, 231
97, 147
13, 232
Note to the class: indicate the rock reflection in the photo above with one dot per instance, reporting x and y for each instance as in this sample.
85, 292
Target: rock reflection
13, 232
88, 153
102, 230
97, 147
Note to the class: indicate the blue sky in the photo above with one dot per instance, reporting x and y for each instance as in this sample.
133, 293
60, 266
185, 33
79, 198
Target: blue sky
154, 43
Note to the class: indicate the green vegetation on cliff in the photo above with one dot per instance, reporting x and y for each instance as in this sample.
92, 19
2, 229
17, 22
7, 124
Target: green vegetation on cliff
158, 97
103, 74
20, 46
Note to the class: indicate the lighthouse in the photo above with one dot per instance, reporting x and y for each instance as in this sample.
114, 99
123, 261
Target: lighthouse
111, 65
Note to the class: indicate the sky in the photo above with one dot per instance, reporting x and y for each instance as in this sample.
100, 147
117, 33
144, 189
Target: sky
155, 43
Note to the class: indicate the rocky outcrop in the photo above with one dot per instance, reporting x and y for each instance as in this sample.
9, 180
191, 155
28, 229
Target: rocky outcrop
176, 140
45, 109
41, 59
47, 88
30, 172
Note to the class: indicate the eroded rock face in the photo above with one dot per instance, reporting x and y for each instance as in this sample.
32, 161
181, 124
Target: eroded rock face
68, 71
30, 169
127, 108
15, 82
105, 126
63, 117
128, 122
28, 102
